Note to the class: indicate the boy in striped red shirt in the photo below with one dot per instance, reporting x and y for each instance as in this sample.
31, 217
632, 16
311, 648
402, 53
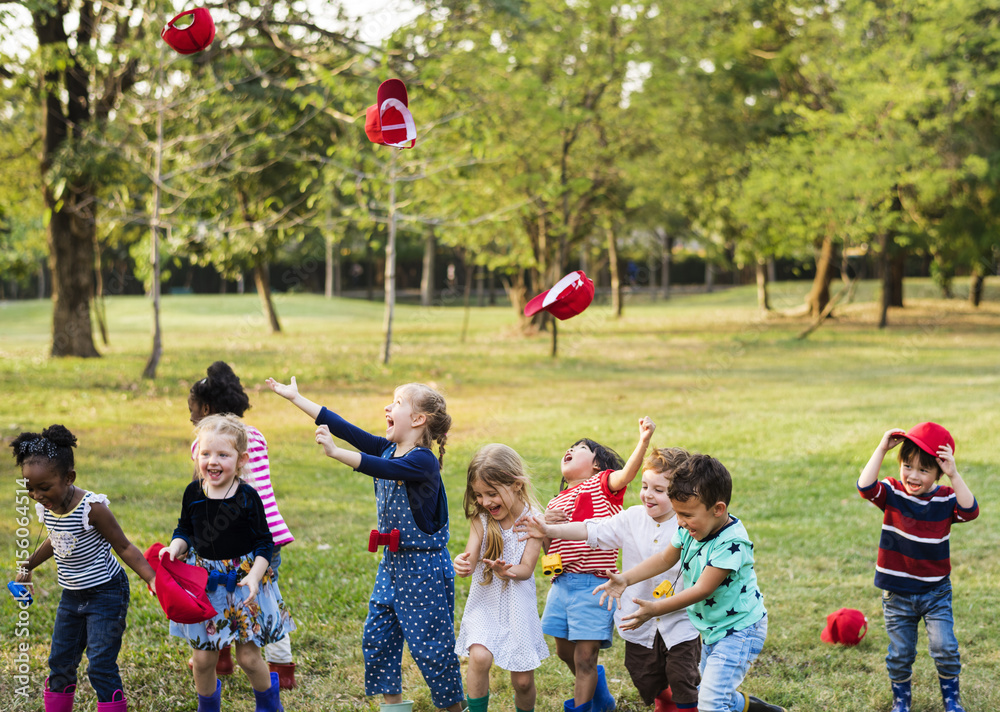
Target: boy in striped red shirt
914, 563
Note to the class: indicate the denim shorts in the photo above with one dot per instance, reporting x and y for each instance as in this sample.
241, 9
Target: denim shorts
573, 613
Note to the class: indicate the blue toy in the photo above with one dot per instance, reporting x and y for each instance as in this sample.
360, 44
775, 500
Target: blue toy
20, 592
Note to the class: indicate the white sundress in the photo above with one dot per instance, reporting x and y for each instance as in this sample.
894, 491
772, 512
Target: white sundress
503, 619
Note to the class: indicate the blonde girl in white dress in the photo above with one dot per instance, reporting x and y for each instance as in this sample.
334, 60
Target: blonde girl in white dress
500, 624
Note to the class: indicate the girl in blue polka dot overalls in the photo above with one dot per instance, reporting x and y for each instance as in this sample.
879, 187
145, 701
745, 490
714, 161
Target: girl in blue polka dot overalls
414, 594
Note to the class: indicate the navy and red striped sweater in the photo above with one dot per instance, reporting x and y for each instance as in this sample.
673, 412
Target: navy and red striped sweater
913, 551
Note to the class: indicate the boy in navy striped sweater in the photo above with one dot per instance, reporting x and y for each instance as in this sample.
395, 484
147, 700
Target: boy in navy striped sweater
914, 564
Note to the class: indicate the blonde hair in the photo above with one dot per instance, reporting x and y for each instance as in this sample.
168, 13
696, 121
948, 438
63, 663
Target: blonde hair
232, 427
498, 466
428, 402
666, 459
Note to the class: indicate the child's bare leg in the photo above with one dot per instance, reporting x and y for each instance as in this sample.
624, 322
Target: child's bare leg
566, 650
524, 689
585, 662
477, 682
249, 658
203, 666
392, 699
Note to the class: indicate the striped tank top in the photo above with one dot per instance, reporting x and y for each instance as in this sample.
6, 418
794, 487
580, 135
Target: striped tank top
83, 556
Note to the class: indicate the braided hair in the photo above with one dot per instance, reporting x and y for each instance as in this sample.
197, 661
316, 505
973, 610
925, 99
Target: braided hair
54, 444
428, 402
221, 391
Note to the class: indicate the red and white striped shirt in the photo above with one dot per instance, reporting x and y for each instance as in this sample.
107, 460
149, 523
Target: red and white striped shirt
259, 468
591, 499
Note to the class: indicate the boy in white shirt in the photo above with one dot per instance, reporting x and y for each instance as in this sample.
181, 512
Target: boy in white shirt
663, 654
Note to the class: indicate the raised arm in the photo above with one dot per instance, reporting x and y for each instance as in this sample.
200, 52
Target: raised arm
290, 392
104, 522
946, 461
869, 475
619, 479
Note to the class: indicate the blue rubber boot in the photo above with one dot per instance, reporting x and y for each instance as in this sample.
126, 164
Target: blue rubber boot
901, 696
269, 700
212, 703
585, 707
603, 700
949, 693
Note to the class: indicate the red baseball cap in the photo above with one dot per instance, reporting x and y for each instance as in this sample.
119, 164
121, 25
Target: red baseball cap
846, 626
388, 121
929, 437
193, 38
180, 588
570, 296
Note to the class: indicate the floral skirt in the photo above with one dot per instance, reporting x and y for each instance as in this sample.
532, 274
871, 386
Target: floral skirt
261, 622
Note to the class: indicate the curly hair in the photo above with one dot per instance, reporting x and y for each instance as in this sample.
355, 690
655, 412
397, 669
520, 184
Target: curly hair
221, 391
54, 444
666, 459
427, 401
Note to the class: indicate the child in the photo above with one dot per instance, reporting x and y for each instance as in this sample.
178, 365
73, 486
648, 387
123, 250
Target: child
596, 483
720, 586
660, 654
223, 528
500, 623
94, 604
914, 563
414, 594
222, 392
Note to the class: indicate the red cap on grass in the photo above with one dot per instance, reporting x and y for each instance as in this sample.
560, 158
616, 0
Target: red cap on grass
929, 437
846, 626
180, 588
388, 121
570, 296
193, 38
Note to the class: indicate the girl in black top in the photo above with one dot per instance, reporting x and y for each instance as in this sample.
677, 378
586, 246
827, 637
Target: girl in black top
223, 529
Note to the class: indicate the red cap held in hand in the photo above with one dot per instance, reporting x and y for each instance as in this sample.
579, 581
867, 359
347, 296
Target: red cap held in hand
180, 588
193, 38
846, 626
929, 437
388, 121
570, 296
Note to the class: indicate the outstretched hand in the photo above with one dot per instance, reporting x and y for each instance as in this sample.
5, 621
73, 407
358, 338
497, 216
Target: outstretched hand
288, 391
639, 616
500, 568
612, 590
529, 526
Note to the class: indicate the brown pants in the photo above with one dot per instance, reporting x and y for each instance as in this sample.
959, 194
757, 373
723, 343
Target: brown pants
652, 670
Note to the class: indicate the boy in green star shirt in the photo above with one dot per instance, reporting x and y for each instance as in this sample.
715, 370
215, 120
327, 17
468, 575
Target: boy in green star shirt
720, 586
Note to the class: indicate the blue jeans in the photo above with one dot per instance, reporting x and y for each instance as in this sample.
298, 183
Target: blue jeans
724, 664
91, 619
902, 614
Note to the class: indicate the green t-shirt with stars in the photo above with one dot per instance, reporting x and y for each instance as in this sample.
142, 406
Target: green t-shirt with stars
737, 603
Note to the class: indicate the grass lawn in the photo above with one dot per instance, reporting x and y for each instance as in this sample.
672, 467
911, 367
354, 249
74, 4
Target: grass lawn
793, 420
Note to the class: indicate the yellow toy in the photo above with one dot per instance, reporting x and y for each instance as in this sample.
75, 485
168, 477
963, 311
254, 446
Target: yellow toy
551, 564
664, 590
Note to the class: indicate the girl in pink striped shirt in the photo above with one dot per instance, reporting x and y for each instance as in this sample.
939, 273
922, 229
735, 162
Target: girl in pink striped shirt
221, 392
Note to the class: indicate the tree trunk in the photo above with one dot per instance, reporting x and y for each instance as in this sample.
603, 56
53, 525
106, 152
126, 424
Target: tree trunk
262, 278
427, 274
772, 271
885, 243
481, 285
154, 242
763, 302
709, 277
517, 293
819, 295
467, 272
667, 260
897, 267
976, 285
390, 263
616, 282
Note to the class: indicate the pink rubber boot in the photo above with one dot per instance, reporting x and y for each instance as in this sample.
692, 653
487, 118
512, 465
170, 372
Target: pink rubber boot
58, 701
116, 705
